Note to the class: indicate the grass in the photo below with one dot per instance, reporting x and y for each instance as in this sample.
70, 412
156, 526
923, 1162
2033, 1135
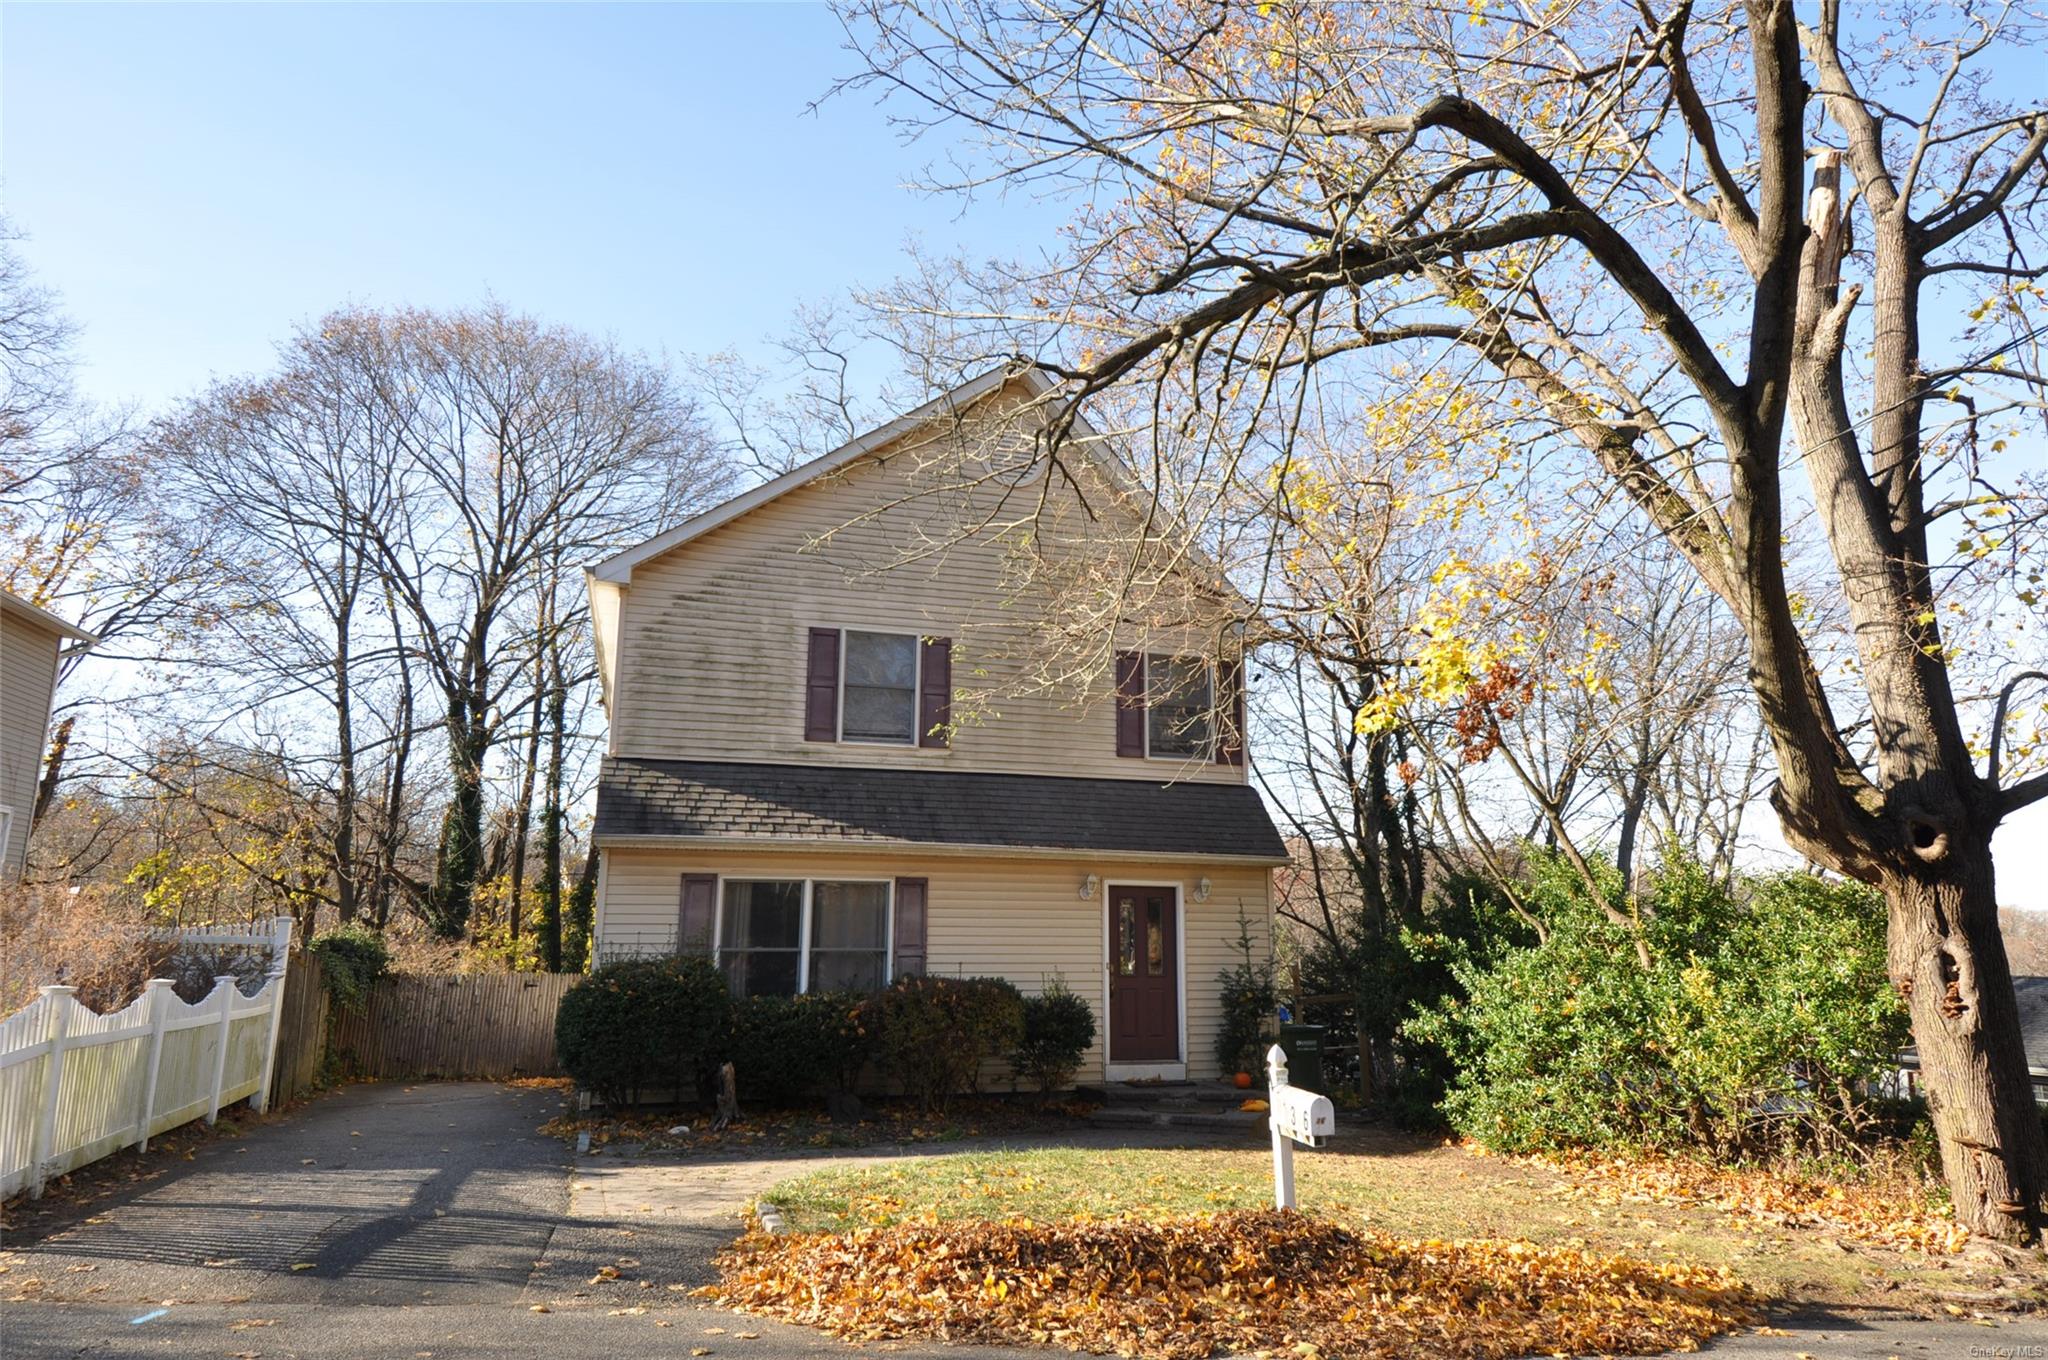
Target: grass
1405, 1187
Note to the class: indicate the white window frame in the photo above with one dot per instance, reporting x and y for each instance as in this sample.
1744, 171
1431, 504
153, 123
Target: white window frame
803, 937
1204, 756
7, 839
916, 698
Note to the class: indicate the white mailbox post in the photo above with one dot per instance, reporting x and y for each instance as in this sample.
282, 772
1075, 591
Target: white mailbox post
1297, 1116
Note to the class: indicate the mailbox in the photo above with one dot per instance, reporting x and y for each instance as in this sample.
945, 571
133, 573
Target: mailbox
1302, 1115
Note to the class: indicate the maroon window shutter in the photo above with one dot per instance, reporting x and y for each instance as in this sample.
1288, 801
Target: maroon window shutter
1230, 741
1130, 704
935, 693
693, 920
821, 687
911, 897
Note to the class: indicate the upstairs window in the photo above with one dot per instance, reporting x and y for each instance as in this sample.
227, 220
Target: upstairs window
1173, 707
878, 689
879, 701
1178, 707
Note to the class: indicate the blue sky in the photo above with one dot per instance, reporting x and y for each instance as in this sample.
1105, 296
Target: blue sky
195, 179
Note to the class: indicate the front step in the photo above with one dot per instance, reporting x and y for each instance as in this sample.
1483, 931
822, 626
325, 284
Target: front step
1178, 1094
1136, 1116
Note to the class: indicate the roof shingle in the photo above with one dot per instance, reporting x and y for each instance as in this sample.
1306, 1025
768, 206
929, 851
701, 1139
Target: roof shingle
716, 799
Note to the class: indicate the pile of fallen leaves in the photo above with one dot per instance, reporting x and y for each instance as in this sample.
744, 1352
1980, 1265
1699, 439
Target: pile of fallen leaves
1894, 1211
1248, 1282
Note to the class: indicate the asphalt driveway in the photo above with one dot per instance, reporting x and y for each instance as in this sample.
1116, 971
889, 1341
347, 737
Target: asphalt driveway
435, 1222
383, 1220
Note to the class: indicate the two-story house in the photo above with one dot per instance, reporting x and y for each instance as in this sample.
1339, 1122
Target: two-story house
831, 761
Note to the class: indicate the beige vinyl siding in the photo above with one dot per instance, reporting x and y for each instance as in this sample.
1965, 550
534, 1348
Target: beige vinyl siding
28, 673
712, 636
1019, 918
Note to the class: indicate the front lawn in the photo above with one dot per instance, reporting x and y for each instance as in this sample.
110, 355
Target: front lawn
1826, 1248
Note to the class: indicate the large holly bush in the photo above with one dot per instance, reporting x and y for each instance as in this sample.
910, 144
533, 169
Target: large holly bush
1762, 1019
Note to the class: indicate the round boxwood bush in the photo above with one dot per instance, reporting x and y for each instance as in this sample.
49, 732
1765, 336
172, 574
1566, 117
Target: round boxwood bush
1058, 1028
785, 1049
643, 1026
936, 1031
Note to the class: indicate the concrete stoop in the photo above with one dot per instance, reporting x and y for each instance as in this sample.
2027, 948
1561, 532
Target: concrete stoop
1177, 1104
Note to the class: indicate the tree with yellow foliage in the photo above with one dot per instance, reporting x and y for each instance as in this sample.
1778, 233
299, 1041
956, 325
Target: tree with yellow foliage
1620, 232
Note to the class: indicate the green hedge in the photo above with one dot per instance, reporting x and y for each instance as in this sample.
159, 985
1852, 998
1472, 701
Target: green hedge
936, 1032
644, 1026
785, 1049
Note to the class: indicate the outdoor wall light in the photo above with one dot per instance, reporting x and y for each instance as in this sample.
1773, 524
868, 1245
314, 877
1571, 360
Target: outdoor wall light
1201, 890
1089, 885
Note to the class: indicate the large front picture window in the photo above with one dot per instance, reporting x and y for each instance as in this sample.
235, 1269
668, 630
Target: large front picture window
784, 936
880, 702
849, 937
1178, 706
761, 938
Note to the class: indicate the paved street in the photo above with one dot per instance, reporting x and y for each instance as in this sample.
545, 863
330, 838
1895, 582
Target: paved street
433, 1222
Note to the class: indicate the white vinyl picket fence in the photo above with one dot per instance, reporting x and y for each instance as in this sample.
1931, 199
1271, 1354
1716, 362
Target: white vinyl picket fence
76, 1085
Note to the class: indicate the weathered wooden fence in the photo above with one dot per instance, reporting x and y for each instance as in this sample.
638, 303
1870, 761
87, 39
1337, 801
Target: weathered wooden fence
76, 1085
456, 1025
301, 1030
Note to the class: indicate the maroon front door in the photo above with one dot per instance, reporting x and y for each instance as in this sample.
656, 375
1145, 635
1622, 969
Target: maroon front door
1144, 976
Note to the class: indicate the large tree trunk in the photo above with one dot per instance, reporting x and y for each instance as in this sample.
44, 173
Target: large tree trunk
460, 861
1948, 960
551, 829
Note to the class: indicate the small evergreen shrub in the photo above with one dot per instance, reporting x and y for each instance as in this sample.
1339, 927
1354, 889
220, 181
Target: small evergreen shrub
785, 1049
352, 958
1058, 1028
644, 1025
936, 1031
1247, 997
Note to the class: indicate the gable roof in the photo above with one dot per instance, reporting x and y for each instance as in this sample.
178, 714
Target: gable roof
619, 566
847, 808
43, 618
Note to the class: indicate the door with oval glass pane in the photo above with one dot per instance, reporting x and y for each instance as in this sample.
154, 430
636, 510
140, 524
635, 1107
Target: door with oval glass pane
1144, 976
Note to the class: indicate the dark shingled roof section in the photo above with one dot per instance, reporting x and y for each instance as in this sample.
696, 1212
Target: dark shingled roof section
930, 807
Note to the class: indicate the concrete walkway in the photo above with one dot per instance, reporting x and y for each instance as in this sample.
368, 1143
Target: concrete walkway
708, 1192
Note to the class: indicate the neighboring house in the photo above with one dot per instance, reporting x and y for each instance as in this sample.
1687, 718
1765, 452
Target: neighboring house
2032, 995
31, 640
790, 787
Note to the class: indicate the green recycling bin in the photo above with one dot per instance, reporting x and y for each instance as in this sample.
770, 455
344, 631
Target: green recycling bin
1303, 1045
